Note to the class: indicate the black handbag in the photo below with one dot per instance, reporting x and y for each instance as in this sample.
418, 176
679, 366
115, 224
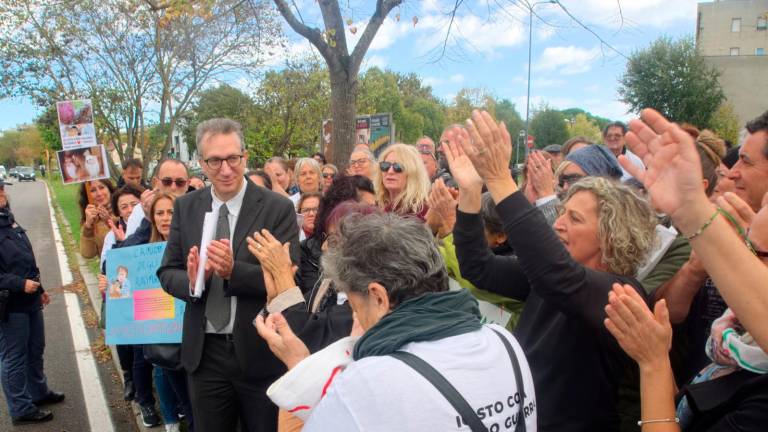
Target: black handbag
166, 356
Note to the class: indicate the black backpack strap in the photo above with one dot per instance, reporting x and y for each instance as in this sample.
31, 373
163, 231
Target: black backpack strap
444, 387
520, 427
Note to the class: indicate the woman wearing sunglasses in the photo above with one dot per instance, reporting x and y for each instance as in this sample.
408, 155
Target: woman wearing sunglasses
402, 183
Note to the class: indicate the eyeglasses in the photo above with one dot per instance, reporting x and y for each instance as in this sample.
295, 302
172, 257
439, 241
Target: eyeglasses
614, 136
385, 166
180, 182
215, 163
327, 175
309, 210
358, 162
569, 178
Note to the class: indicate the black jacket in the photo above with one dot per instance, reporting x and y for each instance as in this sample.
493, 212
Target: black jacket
17, 264
575, 362
309, 267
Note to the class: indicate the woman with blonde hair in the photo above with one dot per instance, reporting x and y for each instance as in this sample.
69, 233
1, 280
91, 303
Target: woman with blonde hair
402, 183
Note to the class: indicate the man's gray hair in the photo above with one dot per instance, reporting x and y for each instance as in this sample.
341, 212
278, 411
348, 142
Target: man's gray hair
217, 126
398, 253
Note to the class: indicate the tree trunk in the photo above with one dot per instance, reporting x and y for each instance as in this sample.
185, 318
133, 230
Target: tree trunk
343, 112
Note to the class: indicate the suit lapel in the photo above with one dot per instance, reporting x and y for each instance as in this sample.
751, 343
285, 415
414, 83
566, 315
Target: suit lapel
249, 215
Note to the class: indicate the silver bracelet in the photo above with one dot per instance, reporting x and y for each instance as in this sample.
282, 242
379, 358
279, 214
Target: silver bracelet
666, 420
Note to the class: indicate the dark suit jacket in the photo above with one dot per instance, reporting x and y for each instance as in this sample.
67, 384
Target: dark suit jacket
261, 209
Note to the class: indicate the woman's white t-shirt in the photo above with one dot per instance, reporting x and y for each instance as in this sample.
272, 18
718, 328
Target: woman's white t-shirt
384, 394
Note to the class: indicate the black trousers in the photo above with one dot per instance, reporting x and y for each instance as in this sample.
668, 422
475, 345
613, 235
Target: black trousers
221, 396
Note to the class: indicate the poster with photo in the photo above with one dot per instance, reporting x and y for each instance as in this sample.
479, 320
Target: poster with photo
76, 123
138, 310
362, 130
83, 164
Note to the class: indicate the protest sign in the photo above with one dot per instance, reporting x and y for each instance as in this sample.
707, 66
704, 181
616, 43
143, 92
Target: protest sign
138, 310
76, 124
382, 132
83, 164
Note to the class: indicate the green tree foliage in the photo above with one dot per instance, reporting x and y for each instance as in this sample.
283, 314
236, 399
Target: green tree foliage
415, 110
21, 146
672, 78
468, 99
725, 123
581, 125
600, 122
506, 112
548, 127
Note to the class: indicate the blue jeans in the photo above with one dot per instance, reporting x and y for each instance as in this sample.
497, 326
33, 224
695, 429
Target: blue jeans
22, 343
174, 397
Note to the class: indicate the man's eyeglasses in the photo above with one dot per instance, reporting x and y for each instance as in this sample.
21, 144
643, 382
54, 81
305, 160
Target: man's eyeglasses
309, 210
385, 166
180, 182
569, 178
614, 136
358, 162
215, 162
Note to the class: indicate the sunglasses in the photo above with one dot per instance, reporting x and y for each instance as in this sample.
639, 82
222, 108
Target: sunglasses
385, 166
327, 175
180, 182
569, 178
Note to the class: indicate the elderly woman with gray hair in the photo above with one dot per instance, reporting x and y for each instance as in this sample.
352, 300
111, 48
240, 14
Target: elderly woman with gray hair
425, 360
563, 274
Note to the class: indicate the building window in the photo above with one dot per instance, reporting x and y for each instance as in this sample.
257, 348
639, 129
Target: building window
736, 25
762, 23
759, 51
734, 51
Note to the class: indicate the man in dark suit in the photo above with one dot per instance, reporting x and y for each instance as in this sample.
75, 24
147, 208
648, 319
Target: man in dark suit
229, 365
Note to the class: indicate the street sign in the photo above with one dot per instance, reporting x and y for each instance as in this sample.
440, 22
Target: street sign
531, 140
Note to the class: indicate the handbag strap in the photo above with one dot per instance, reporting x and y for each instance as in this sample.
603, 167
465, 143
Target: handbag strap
520, 427
444, 387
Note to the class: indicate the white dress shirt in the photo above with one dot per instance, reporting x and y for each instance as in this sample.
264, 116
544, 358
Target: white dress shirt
233, 205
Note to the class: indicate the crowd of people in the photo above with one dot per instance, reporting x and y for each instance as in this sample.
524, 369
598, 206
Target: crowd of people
631, 274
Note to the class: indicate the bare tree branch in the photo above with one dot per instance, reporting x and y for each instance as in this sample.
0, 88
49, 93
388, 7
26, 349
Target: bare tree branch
383, 7
585, 27
312, 35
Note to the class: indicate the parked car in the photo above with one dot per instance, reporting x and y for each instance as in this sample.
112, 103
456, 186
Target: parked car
14, 172
3, 173
26, 173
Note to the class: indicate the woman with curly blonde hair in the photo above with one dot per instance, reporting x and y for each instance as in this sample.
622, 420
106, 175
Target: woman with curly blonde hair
402, 183
562, 272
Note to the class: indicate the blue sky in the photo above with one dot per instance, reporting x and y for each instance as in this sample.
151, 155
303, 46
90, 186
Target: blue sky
488, 48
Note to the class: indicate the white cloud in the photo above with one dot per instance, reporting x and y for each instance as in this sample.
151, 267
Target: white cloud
469, 33
300, 48
456, 78
390, 32
636, 14
374, 61
568, 60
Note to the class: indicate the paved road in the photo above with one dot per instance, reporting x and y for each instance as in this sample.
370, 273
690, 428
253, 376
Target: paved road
30, 207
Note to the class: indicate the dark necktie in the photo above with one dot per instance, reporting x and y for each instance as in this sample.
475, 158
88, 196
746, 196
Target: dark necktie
217, 306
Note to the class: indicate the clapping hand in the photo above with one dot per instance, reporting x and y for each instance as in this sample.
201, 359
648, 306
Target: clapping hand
442, 206
462, 170
117, 230
489, 147
281, 340
275, 260
644, 335
540, 175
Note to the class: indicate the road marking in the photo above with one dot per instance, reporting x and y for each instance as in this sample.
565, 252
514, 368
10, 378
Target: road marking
66, 275
95, 403
99, 418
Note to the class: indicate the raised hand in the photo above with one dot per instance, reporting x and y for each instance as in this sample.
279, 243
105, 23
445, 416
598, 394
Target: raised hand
644, 335
489, 147
540, 175
461, 167
91, 216
116, 229
673, 174
741, 212
220, 258
442, 204
193, 261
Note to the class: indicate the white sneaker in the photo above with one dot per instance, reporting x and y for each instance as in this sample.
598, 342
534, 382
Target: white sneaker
173, 427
